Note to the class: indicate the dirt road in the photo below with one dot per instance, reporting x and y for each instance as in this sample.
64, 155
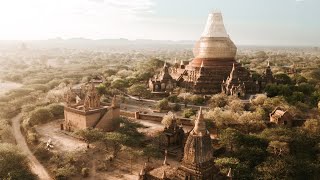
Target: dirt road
35, 165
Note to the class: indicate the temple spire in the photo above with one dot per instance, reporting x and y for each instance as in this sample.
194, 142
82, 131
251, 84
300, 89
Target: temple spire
165, 68
165, 157
229, 175
202, 64
200, 125
215, 26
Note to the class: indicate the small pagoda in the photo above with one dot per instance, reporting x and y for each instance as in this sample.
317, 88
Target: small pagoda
197, 162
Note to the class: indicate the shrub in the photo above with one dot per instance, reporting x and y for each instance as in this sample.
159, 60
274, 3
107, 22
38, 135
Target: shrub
57, 110
65, 172
163, 104
13, 164
218, 100
32, 137
139, 90
40, 116
173, 98
187, 113
176, 107
197, 100
85, 172
42, 153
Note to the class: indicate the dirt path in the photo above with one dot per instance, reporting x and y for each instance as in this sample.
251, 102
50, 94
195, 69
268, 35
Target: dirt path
35, 165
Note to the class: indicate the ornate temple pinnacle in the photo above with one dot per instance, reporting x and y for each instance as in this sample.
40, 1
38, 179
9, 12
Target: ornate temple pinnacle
200, 126
165, 64
215, 42
215, 26
202, 64
229, 175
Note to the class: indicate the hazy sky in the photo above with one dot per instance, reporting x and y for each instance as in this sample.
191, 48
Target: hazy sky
262, 22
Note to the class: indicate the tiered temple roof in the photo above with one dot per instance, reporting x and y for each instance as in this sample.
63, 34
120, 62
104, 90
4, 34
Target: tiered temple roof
214, 57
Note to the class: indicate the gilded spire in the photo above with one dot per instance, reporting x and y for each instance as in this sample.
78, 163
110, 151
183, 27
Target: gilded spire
215, 26
268, 63
200, 125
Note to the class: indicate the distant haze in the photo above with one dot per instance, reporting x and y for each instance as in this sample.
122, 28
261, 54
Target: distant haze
248, 22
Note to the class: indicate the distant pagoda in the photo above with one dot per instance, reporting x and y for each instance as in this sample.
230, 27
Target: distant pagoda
214, 58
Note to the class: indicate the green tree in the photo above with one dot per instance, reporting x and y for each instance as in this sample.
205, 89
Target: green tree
167, 119
218, 100
57, 110
90, 135
283, 78
120, 84
225, 163
115, 140
299, 79
252, 122
163, 104
312, 126
102, 89
187, 113
278, 148
197, 100
13, 165
230, 138
40, 116
139, 90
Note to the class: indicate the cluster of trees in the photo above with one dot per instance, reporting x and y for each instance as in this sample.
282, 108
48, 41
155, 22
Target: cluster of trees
13, 164
275, 153
295, 91
127, 139
125, 136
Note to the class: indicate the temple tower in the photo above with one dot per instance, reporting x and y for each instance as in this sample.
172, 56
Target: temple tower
197, 162
214, 57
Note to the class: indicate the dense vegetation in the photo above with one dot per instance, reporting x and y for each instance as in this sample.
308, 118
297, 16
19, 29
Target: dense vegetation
253, 150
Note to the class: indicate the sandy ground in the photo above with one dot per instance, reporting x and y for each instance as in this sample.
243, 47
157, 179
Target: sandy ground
122, 166
120, 169
60, 141
35, 165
